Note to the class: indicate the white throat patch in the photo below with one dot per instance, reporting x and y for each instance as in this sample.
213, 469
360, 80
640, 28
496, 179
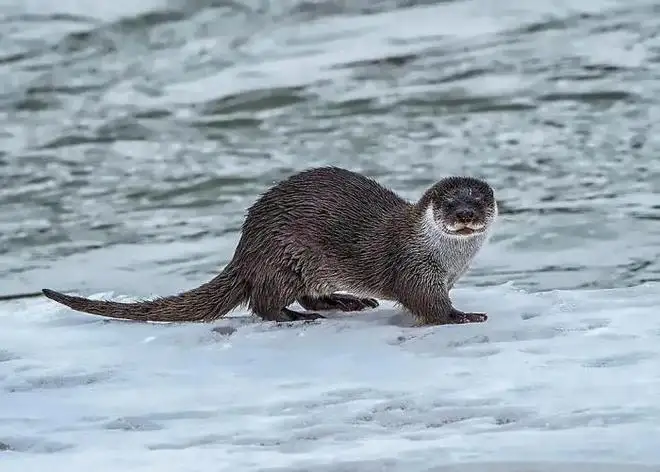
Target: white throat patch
454, 252
445, 243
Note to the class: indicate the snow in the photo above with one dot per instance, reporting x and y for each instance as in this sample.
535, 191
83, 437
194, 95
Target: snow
562, 376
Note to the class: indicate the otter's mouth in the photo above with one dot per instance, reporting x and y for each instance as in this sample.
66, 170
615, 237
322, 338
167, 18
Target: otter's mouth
464, 229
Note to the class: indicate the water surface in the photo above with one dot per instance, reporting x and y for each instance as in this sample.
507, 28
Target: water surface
134, 135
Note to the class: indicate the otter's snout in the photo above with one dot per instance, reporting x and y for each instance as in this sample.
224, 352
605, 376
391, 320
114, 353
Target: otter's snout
465, 215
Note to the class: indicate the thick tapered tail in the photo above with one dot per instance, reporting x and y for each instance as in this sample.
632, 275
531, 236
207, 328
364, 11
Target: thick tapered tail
205, 303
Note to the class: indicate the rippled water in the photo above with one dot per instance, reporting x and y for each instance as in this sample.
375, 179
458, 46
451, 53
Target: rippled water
134, 134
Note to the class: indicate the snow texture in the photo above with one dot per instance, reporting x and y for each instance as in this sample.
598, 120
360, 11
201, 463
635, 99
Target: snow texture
555, 378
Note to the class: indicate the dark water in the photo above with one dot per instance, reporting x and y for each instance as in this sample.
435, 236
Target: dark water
134, 134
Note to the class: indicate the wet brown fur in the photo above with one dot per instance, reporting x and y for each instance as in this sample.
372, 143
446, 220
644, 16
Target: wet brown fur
319, 232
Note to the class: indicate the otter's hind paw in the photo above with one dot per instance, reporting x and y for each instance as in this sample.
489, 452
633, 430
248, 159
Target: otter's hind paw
291, 315
340, 302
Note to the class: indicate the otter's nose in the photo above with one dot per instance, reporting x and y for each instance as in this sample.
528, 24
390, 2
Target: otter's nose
465, 214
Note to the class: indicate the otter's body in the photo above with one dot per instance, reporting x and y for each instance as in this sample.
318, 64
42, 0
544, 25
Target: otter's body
328, 230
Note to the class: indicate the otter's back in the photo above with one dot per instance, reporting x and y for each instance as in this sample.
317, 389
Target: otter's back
328, 207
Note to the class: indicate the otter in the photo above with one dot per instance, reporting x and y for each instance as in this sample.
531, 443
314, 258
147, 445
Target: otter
327, 230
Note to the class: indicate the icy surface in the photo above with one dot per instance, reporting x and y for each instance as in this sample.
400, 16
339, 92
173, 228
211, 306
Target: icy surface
571, 376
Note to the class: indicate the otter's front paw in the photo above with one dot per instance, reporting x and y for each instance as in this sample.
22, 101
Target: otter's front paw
459, 317
455, 317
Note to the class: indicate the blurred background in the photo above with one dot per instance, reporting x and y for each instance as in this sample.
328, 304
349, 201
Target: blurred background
134, 134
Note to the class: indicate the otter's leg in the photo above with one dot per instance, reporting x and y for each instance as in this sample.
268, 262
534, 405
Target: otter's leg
270, 296
284, 314
336, 301
270, 309
428, 300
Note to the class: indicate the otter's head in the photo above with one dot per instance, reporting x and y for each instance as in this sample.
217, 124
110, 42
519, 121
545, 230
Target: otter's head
461, 207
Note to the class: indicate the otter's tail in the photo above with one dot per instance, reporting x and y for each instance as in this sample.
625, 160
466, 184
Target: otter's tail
205, 303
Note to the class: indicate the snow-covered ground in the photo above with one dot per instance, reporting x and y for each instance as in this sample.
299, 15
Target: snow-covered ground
570, 376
